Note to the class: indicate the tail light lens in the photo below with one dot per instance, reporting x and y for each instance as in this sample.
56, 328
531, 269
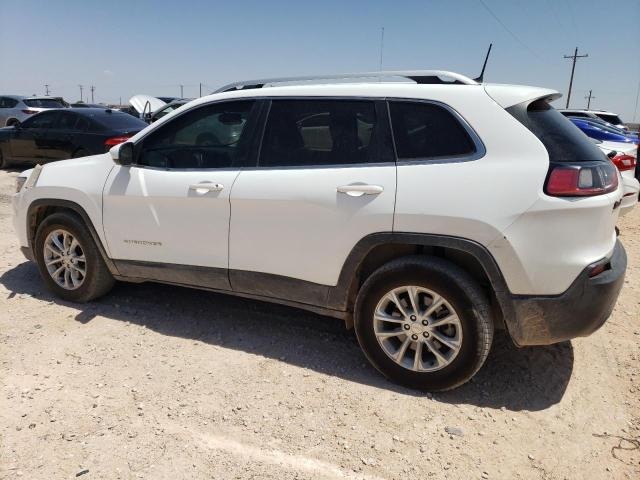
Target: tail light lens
29, 112
581, 179
110, 142
624, 162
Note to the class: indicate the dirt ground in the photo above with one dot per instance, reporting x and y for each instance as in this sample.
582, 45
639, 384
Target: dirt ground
161, 382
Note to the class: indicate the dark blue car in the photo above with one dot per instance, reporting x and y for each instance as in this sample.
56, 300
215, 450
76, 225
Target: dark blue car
601, 131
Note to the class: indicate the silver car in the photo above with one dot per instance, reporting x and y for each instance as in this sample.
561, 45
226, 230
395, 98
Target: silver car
15, 109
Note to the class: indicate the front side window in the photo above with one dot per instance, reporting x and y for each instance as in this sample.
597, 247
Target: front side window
426, 130
205, 137
318, 132
42, 120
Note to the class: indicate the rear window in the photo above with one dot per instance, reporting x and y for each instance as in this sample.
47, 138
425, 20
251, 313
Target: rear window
119, 121
610, 118
426, 130
562, 139
43, 103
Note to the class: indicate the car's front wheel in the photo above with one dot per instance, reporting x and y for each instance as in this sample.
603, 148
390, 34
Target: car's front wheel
68, 259
424, 323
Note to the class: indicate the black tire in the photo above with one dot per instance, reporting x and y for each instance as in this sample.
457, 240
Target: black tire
460, 291
80, 153
97, 282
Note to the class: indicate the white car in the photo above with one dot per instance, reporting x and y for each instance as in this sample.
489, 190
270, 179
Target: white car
424, 212
624, 157
609, 117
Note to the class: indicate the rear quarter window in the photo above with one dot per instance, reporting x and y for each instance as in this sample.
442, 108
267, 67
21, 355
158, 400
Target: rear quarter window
428, 131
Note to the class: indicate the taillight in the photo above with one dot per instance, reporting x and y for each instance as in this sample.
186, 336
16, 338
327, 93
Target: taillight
624, 162
110, 142
581, 180
29, 112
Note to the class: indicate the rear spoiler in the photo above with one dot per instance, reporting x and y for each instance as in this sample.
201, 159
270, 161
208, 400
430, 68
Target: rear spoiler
509, 95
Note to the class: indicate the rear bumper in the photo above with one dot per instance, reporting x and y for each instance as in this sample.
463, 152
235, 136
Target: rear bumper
578, 312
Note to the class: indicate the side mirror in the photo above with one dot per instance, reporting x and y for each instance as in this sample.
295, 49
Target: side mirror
122, 154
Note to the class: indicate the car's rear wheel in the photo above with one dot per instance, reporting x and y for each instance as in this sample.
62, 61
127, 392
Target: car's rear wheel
68, 259
424, 323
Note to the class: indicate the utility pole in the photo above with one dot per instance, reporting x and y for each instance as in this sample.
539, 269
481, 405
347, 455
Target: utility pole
381, 46
181, 91
575, 57
81, 87
46, 89
92, 90
120, 104
589, 98
200, 88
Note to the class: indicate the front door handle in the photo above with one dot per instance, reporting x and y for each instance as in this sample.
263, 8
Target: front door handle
359, 189
206, 187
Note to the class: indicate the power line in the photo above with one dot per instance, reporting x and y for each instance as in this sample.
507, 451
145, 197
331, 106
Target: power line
575, 57
508, 29
589, 98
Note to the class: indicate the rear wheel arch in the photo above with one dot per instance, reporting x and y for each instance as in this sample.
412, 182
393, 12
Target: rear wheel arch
11, 121
376, 250
42, 208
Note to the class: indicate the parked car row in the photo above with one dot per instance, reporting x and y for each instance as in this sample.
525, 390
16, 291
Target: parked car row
59, 134
15, 109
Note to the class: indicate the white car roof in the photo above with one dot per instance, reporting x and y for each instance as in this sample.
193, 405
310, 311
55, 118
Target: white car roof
505, 95
595, 112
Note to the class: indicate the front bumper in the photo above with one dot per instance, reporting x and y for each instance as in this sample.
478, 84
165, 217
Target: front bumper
578, 312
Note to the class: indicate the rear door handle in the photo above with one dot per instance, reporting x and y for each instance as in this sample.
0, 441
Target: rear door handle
206, 187
359, 189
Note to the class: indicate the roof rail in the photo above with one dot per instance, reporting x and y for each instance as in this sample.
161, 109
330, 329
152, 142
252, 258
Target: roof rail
418, 76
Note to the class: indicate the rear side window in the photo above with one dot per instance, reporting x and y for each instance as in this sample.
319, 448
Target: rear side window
562, 139
119, 121
6, 102
66, 121
303, 133
426, 130
43, 103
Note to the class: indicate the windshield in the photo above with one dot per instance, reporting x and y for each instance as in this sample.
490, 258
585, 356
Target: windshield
603, 126
611, 118
43, 103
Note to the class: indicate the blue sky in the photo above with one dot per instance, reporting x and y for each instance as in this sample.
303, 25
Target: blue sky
128, 47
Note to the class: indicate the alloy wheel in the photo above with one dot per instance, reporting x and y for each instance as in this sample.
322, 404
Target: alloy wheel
417, 328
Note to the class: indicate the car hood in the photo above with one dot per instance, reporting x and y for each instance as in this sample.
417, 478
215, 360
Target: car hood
145, 103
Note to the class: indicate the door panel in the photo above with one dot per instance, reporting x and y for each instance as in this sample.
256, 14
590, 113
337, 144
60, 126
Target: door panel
295, 222
155, 215
326, 178
172, 207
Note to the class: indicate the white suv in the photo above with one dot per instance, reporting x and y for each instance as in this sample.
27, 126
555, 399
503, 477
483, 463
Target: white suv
425, 214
